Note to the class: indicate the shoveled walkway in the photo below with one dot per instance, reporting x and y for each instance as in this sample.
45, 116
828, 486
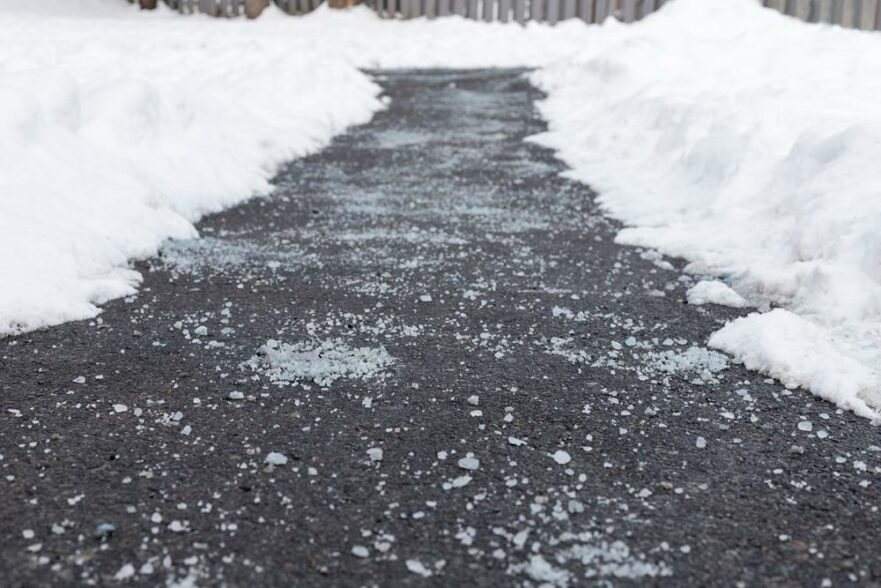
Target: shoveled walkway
422, 362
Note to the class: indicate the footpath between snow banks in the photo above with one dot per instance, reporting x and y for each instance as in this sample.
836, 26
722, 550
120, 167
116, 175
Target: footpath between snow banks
747, 143
720, 132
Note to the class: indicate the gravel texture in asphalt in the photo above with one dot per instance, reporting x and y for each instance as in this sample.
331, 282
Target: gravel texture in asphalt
422, 361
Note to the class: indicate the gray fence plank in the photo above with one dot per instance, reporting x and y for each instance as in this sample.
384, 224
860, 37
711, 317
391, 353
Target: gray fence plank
857, 18
585, 10
443, 7
553, 11
648, 7
472, 9
504, 10
459, 7
535, 10
489, 10
520, 11
568, 9
602, 10
837, 13
628, 10
430, 8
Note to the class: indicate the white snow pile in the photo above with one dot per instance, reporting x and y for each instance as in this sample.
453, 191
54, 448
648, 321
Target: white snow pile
746, 142
322, 363
714, 292
120, 128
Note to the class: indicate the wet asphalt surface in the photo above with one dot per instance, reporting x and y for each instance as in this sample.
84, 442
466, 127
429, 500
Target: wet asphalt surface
427, 286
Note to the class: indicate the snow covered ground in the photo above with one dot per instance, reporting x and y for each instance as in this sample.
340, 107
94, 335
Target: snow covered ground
119, 129
745, 142
717, 131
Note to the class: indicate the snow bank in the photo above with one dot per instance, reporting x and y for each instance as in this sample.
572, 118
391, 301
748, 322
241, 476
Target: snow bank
119, 128
745, 142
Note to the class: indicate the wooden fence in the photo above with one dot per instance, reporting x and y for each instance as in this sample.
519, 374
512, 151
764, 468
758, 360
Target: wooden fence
232, 8
861, 14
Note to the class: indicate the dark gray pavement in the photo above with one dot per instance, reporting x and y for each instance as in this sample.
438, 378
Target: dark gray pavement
427, 286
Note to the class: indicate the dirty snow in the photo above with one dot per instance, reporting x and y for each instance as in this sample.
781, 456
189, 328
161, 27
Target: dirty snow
745, 142
320, 362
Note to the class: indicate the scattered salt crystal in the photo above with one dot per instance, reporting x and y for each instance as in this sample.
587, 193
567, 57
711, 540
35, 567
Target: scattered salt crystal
275, 458
375, 454
125, 572
469, 463
177, 527
561, 457
235, 395
516, 442
700, 442
461, 481
416, 566
120, 407
805, 426
27, 533
201, 331
79, 380
474, 399
425, 298
360, 551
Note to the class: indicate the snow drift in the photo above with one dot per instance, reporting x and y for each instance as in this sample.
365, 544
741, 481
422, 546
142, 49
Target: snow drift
119, 129
746, 142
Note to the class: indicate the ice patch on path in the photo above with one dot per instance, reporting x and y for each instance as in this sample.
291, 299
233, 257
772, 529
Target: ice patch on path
746, 142
210, 255
715, 292
593, 557
696, 362
796, 352
322, 363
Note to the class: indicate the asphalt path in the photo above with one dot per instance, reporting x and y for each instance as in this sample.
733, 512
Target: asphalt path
422, 361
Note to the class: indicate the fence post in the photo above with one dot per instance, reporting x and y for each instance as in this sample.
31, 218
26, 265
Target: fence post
488, 6
837, 12
553, 11
535, 10
504, 10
